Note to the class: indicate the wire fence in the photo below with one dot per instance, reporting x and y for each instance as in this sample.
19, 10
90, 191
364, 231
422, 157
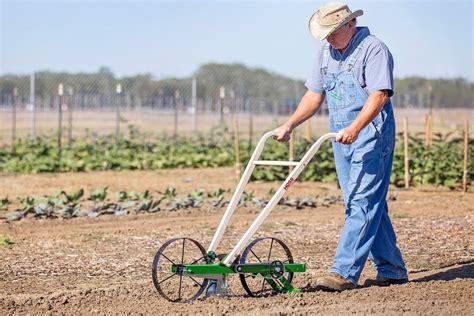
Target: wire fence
73, 105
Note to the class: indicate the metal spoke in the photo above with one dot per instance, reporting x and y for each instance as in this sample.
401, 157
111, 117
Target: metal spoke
268, 259
187, 291
179, 291
255, 255
200, 284
198, 260
181, 275
253, 287
182, 253
167, 278
168, 259
270, 251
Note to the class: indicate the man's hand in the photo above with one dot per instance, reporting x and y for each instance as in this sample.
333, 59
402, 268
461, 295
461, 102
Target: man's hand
283, 133
371, 108
347, 135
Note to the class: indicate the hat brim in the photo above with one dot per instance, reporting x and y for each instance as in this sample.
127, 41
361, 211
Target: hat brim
321, 32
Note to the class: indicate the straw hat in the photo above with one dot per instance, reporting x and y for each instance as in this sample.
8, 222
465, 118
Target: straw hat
330, 17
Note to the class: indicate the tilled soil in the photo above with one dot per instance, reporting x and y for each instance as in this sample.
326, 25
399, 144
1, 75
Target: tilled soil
103, 265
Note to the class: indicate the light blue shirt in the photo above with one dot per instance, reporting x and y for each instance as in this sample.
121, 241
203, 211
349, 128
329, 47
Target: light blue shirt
373, 69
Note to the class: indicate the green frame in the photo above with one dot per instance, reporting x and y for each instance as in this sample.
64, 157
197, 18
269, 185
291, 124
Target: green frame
278, 284
218, 268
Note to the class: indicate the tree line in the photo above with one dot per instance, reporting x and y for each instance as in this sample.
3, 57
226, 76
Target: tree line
238, 80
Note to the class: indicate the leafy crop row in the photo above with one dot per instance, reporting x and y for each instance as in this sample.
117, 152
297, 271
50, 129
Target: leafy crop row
69, 205
438, 164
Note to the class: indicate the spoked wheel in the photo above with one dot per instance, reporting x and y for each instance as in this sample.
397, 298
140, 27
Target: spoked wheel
264, 250
178, 286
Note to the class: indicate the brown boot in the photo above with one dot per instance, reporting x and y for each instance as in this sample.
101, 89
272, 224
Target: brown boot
381, 281
334, 282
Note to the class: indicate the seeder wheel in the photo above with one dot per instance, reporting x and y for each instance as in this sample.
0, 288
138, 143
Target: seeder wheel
264, 250
178, 286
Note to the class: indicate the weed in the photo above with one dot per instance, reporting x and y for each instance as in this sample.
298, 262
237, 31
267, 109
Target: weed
5, 240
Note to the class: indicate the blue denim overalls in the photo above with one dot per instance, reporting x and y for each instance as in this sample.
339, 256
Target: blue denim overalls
363, 169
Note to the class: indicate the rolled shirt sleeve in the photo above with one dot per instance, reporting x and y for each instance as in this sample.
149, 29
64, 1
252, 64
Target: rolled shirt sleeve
379, 69
314, 82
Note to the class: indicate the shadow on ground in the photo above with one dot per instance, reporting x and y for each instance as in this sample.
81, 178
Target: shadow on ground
461, 272
465, 271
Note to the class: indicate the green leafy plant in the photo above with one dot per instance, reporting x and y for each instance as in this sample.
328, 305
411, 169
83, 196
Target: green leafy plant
170, 192
4, 203
99, 194
5, 240
437, 164
217, 197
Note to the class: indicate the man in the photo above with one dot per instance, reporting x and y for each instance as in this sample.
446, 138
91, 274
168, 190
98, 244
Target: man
354, 72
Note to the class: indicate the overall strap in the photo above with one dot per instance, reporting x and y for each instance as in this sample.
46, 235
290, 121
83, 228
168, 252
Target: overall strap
325, 61
355, 54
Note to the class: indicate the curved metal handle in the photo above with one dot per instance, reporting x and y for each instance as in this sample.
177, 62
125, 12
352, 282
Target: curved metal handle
269, 134
322, 138
278, 194
244, 180
327, 136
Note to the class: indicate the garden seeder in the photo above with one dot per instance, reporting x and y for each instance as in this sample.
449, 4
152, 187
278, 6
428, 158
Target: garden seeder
183, 270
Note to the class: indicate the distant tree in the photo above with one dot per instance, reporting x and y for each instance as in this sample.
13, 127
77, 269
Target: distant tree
268, 88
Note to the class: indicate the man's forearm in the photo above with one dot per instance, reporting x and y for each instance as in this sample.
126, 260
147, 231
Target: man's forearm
308, 105
371, 108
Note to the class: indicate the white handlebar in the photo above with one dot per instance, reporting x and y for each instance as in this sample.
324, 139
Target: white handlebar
298, 168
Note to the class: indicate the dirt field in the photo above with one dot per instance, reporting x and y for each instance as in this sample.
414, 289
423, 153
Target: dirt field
103, 265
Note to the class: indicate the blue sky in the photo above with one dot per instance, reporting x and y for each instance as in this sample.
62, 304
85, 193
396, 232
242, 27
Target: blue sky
172, 38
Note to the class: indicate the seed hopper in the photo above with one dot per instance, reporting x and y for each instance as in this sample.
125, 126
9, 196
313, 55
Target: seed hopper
182, 269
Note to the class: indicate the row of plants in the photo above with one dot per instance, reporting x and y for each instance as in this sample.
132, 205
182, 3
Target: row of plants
440, 163
75, 204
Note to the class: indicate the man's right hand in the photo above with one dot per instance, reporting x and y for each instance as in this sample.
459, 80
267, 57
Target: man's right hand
283, 133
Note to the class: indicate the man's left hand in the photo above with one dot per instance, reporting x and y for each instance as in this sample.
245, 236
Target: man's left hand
347, 135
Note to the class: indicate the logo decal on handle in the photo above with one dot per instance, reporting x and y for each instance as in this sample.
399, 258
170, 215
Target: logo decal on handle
289, 183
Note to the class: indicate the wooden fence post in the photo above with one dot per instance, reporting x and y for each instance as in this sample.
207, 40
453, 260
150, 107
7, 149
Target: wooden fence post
70, 108
194, 104
237, 147
118, 91
466, 144
221, 105
33, 104
176, 104
428, 129
405, 144
60, 115
250, 131
14, 104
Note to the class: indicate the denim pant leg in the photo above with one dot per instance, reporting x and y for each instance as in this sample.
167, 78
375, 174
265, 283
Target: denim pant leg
385, 253
366, 189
